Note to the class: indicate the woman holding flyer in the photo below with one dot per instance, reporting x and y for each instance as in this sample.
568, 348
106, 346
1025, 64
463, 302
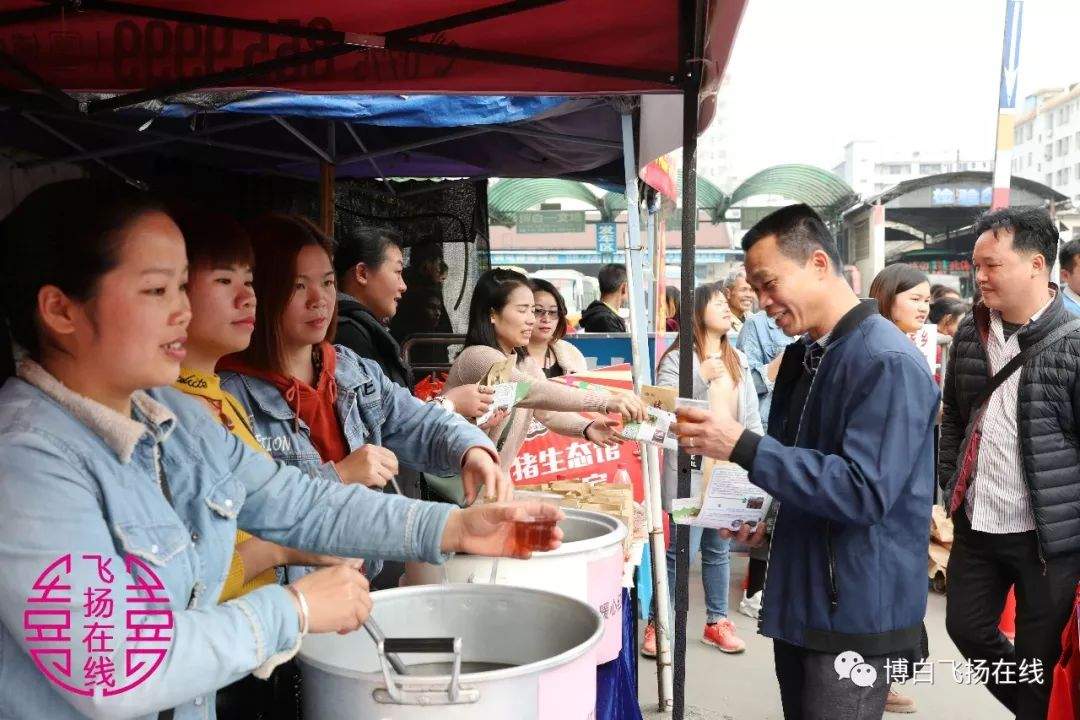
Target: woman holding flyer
501, 321
721, 375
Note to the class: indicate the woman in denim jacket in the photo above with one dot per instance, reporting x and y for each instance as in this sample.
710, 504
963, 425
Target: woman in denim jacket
112, 482
319, 406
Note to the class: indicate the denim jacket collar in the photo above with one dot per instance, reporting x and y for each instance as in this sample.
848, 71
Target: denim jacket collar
120, 433
348, 376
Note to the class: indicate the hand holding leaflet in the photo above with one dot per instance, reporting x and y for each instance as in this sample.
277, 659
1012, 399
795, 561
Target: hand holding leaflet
656, 428
728, 500
507, 392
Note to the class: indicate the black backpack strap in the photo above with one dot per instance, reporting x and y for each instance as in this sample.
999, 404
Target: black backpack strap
1026, 354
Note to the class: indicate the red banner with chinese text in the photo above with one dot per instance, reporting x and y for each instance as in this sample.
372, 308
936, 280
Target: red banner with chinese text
547, 456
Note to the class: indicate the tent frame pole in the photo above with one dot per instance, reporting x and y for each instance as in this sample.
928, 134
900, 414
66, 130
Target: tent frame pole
642, 373
218, 79
76, 146
337, 43
405, 147
547, 135
692, 22
307, 142
162, 138
47, 89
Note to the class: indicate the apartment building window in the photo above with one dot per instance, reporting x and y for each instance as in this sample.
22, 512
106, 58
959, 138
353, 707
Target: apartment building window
1048, 151
1049, 179
1063, 176
1030, 161
1063, 146
930, 168
1030, 132
1018, 135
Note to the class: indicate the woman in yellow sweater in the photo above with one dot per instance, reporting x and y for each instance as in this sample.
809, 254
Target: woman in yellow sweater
220, 263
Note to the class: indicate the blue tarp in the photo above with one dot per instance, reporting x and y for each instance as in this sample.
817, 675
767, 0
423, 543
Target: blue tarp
427, 111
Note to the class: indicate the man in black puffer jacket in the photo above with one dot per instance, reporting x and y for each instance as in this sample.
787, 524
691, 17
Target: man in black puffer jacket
1017, 516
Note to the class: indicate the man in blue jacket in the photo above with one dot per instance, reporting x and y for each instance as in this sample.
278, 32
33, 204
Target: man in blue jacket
849, 456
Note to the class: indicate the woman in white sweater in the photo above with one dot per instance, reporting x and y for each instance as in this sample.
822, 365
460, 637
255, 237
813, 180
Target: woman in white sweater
721, 375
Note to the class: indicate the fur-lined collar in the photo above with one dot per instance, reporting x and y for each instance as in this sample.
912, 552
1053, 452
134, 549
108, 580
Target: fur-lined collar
120, 433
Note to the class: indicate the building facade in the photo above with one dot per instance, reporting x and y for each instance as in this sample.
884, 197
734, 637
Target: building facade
871, 167
1047, 140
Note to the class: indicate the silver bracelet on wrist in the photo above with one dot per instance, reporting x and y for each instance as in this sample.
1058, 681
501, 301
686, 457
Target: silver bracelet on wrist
305, 611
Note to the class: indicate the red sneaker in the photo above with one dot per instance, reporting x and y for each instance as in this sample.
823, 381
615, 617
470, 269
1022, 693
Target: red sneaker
648, 645
722, 636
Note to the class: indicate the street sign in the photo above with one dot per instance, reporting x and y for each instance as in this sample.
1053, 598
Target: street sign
607, 238
551, 221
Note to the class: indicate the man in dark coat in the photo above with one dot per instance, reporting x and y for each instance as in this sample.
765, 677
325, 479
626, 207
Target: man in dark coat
1017, 511
603, 315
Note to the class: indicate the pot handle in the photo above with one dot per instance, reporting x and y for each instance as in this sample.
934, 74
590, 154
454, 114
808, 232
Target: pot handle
388, 647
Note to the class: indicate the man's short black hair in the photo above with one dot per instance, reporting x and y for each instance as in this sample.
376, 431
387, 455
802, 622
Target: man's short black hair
610, 278
799, 232
1067, 255
1032, 228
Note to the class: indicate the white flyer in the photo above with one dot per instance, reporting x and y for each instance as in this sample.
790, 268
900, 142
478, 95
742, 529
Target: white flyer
506, 396
728, 500
656, 429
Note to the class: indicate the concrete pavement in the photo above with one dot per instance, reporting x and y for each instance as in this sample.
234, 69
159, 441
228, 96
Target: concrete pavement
743, 687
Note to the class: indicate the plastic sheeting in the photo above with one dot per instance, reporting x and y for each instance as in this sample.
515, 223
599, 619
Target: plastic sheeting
386, 110
616, 681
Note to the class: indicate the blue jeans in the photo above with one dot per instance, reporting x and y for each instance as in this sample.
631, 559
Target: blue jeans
715, 570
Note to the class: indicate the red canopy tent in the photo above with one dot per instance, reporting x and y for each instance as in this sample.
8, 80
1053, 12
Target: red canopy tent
145, 50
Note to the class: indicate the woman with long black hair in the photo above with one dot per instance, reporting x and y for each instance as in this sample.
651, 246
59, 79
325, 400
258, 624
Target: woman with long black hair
501, 321
721, 375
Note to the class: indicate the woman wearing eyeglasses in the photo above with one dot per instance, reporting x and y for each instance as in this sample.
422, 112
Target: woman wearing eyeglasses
546, 345
501, 322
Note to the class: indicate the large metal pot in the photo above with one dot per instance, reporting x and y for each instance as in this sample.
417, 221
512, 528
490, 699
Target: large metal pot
499, 652
588, 566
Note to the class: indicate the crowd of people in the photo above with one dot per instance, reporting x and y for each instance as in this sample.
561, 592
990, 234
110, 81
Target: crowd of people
228, 402
825, 400
171, 376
